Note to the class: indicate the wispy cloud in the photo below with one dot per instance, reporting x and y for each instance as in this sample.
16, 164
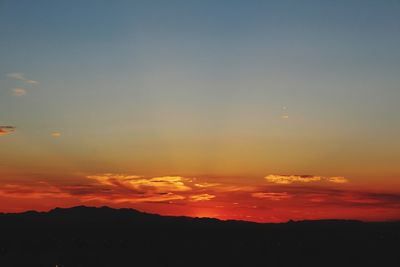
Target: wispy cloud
83, 193
206, 185
337, 179
56, 134
167, 197
35, 191
276, 196
138, 183
16, 76
297, 201
21, 77
122, 188
284, 114
201, 197
19, 91
4, 130
290, 179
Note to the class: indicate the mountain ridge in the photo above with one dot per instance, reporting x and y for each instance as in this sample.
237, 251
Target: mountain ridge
85, 210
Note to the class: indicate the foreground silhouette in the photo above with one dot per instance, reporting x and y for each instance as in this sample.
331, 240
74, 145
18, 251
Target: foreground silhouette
84, 236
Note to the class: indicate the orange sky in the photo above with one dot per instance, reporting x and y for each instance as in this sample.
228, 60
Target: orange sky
273, 198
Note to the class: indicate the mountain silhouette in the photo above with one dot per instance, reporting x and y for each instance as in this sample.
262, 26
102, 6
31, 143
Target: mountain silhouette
88, 236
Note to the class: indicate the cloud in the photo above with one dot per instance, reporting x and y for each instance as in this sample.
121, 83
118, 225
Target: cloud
4, 130
112, 179
136, 188
337, 179
284, 114
272, 195
289, 179
56, 134
21, 77
167, 197
84, 193
141, 184
35, 191
82, 190
16, 76
19, 91
317, 195
297, 201
31, 81
161, 184
369, 199
230, 188
201, 197
206, 185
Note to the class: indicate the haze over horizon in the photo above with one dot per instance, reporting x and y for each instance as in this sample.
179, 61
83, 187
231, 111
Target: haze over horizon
253, 110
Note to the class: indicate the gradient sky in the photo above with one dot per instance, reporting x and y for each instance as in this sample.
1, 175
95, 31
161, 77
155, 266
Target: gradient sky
256, 110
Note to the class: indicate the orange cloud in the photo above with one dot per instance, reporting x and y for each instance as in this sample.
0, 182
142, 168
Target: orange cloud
139, 183
84, 193
271, 195
112, 179
181, 195
201, 197
289, 179
167, 197
205, 185
4, 130
338, 180
56, 134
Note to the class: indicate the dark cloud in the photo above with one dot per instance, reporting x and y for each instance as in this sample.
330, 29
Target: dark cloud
326, 196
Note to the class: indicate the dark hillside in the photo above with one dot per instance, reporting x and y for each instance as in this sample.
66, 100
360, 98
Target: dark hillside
86, 237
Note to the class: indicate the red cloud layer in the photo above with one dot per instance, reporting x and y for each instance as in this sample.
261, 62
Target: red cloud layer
178, 195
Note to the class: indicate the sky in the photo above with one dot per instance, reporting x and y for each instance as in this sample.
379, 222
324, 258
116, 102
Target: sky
253, 110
